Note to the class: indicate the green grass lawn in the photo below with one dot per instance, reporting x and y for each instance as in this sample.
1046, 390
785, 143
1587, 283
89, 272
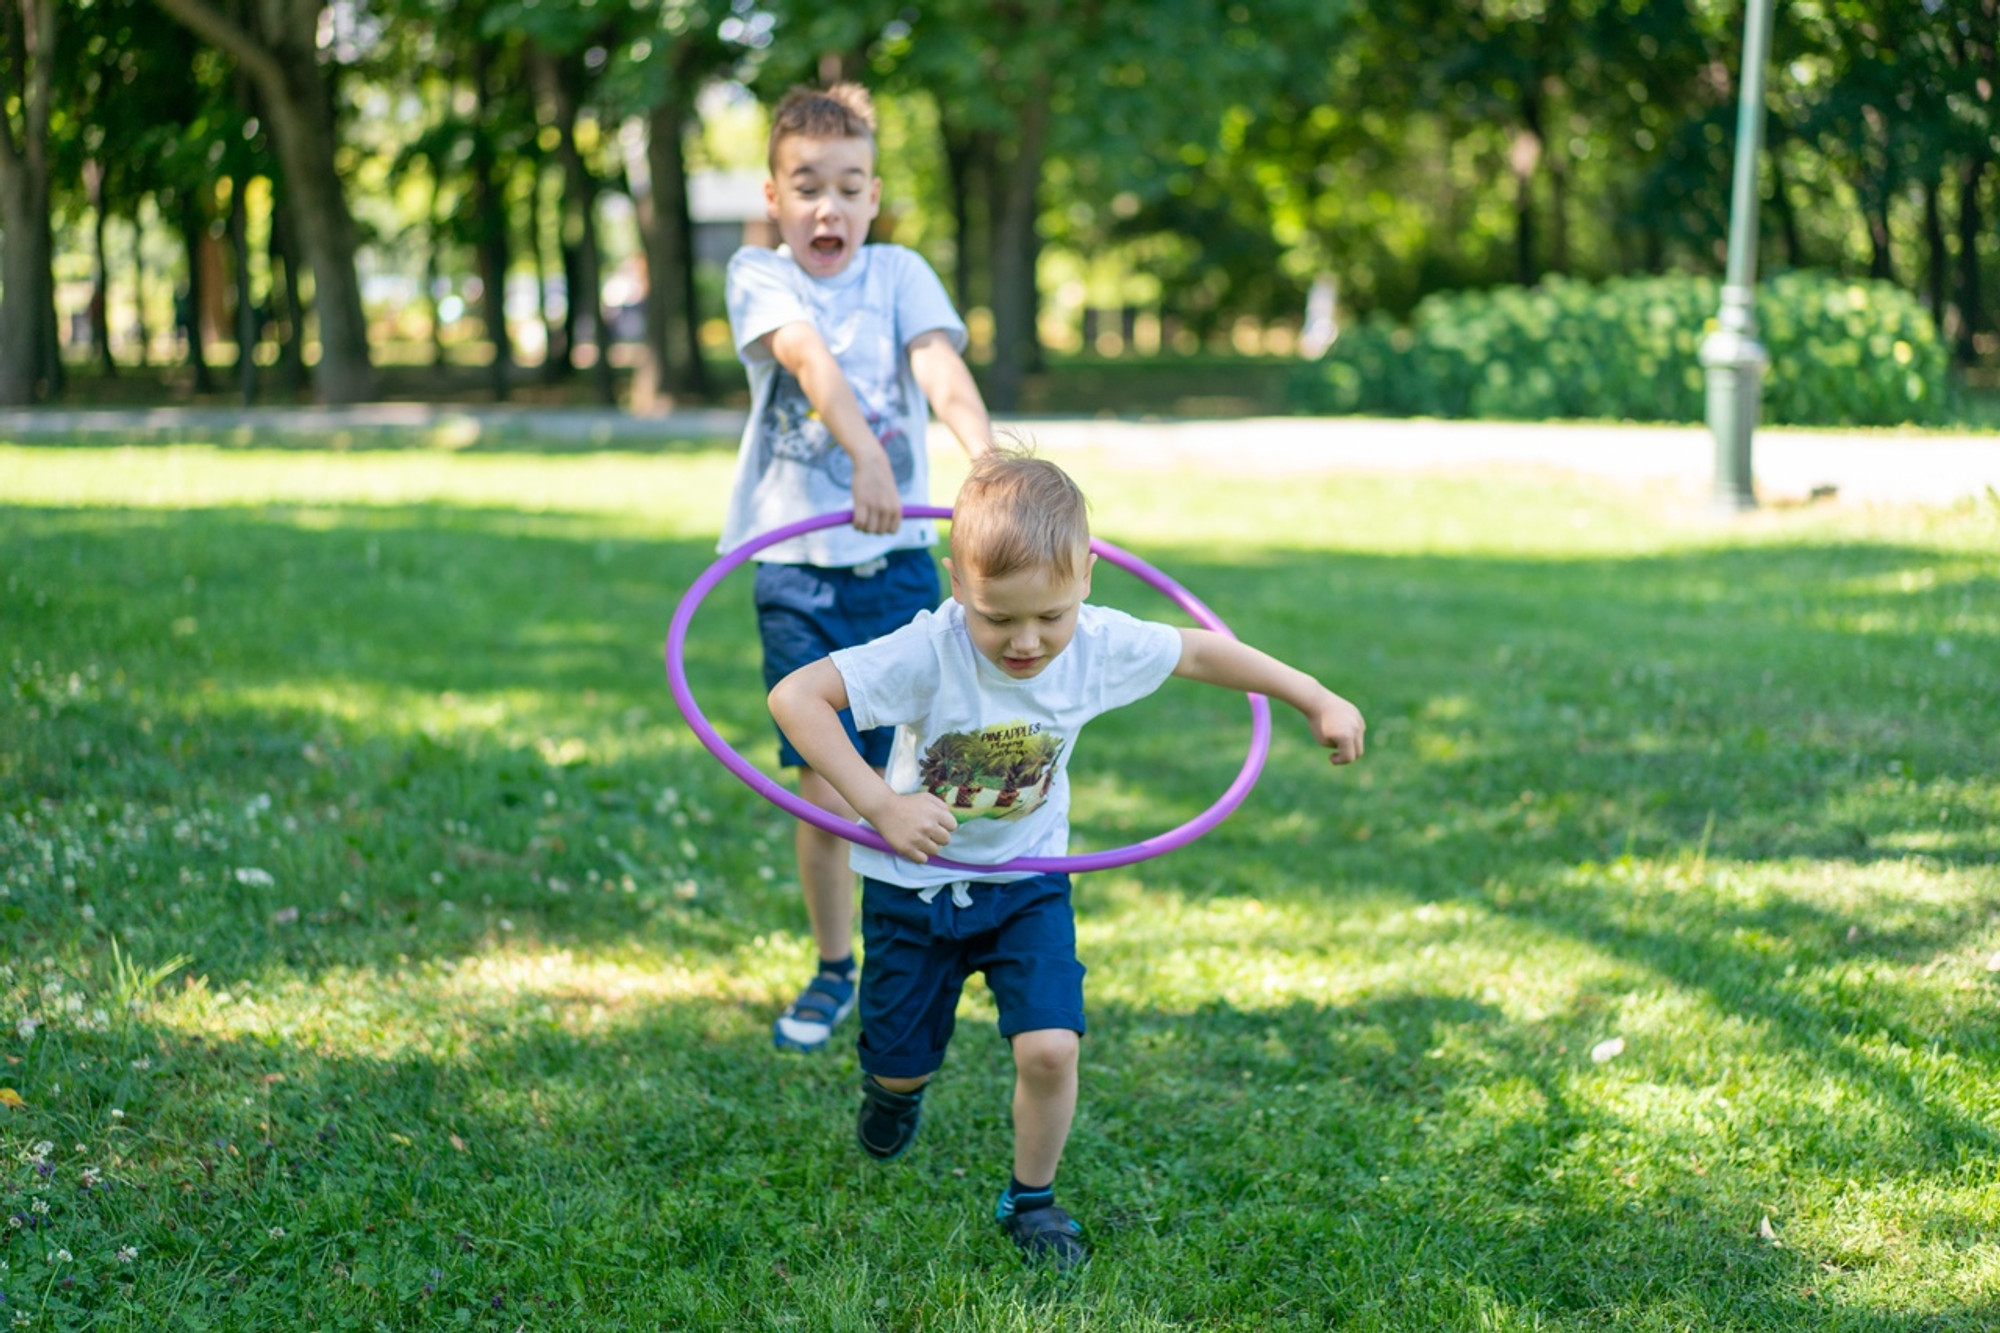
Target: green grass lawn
379, 951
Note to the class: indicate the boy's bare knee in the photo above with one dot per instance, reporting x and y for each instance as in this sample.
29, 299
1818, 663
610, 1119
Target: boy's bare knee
1046, 1052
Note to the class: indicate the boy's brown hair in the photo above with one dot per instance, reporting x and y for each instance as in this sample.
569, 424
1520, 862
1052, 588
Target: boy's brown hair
844, 111
1015, 512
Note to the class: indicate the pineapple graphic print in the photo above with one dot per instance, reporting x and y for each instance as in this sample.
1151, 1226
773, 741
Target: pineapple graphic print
998, 772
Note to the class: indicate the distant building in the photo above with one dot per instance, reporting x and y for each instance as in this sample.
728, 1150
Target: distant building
728, 212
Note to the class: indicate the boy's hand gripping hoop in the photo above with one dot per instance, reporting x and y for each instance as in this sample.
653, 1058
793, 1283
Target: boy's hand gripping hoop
1253, 762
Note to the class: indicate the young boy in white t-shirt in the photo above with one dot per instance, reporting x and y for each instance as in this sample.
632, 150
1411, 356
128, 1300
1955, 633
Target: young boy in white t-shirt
988, 694
847, 345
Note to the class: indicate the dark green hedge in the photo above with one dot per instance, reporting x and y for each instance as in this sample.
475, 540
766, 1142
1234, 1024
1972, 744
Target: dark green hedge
1842, 353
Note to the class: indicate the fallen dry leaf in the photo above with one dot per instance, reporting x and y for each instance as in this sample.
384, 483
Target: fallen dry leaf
459, 1144
1607, 1050
11, 1099
1766, 1231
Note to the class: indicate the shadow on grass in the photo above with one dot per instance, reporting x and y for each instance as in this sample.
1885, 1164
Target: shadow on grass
465, 736
1414, 1160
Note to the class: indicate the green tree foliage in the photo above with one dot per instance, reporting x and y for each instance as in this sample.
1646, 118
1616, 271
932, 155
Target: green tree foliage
1227, 154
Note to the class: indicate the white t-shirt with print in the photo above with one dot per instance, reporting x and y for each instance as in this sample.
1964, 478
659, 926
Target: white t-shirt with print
994, 748
789, 466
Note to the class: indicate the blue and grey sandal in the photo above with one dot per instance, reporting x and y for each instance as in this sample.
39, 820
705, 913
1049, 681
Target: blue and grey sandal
808, 1022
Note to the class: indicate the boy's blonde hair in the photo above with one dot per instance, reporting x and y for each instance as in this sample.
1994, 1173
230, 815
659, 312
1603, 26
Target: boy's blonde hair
844, 111
1015, 512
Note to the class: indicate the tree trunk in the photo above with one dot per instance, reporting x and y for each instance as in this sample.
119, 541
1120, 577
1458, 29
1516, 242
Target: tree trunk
287, 305
1524, 157
1937, 270
489, 206
187, 307
1971, 304
1017, 180
246, 303
433, 268
144, 352
969, 158
556, 364
30, 361
100, 278
672, 363
583, 261
1876, 211
297, 93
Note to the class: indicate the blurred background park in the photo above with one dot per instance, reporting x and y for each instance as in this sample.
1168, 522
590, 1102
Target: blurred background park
1502, 208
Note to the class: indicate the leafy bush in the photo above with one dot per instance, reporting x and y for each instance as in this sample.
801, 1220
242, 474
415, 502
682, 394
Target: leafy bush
1842, 353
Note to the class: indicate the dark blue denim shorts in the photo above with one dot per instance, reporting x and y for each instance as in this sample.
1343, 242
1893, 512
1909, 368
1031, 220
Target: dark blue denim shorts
805, 612
1021, 934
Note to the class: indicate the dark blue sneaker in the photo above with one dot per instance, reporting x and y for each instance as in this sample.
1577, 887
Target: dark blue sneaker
1047, 1236
808, 1022
888, 1120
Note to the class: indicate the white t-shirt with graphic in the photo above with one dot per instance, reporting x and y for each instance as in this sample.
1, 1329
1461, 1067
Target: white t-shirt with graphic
993, 748
789, 466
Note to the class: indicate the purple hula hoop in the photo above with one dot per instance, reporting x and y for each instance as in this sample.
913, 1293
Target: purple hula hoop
1253, 762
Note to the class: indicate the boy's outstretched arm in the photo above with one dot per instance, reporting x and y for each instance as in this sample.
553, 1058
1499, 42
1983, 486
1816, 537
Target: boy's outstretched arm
947, 382
799, 348
807, 705
1234, 665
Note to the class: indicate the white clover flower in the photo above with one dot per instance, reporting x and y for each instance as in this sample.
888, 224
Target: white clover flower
63, 1256
127, 1253
25, 1029
92, 1177
254, 878
40, 1208
117, 1113
277, 1233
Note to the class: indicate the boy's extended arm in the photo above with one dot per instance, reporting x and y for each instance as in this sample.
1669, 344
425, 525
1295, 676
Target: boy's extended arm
800, 349
946, 381
807, 705
1221, 660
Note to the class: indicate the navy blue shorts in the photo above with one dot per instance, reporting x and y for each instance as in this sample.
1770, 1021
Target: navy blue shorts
805, 612
1021, 934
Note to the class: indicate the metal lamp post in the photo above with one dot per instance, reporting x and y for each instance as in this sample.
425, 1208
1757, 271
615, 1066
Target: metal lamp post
1733, 357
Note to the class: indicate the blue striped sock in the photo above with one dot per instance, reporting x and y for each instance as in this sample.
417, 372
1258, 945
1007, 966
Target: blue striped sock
1019, 1198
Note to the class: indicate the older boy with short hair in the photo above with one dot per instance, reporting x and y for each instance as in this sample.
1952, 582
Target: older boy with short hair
846, 345
988, 694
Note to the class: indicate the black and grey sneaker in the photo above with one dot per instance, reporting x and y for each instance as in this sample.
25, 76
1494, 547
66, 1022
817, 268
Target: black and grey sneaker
1047, 1236
888, 1120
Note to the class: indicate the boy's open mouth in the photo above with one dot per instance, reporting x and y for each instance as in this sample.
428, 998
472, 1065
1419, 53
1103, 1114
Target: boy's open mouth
826, 247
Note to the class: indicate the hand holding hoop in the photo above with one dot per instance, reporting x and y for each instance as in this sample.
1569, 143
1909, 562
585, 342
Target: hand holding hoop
1253, 762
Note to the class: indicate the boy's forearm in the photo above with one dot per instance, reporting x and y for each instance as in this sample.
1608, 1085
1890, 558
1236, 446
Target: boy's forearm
799, 348
811, 721
952, 392
827, 389
1220, 660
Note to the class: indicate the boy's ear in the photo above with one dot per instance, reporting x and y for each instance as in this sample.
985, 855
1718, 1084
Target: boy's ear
771, 199
1089, 563
951, 571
